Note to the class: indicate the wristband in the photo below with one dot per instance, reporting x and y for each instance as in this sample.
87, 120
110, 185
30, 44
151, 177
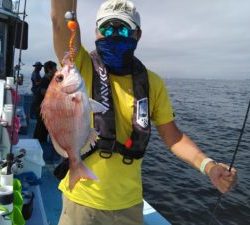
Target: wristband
204, 163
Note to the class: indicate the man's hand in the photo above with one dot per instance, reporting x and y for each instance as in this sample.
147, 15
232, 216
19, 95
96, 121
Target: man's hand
221, 178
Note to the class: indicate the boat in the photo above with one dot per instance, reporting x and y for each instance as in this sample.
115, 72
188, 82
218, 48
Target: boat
28, 188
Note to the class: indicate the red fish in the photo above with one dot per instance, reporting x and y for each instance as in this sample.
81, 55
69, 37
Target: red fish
66, 112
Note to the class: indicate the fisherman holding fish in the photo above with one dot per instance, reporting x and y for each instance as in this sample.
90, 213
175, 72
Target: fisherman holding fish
125, 97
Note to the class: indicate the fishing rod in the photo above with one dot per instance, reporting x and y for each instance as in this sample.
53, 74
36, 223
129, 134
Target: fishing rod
232, 162
10, 157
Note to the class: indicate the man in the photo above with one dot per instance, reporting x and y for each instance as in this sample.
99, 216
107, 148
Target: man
35, 80
36, 77
133, 95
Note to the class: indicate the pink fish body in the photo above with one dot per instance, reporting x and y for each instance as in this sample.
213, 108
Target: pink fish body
66, 112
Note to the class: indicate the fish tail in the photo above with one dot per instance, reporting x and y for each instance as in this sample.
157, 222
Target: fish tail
78, 173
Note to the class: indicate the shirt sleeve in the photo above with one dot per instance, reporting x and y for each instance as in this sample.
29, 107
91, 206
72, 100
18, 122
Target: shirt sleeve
162, 111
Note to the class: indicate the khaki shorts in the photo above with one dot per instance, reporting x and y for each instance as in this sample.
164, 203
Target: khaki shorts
75, 214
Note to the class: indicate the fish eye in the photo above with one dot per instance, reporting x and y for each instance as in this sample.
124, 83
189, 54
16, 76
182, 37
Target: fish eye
59, 78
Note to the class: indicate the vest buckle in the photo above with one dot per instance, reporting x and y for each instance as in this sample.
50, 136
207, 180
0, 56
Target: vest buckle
127, 160
105, 154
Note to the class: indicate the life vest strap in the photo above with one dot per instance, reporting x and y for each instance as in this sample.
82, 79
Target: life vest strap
108, 147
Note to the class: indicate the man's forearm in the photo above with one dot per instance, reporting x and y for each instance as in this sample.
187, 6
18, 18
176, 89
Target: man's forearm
189, 152
182, 146
61, 34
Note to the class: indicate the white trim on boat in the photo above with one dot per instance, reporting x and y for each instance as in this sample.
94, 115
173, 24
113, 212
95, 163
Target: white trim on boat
152, 217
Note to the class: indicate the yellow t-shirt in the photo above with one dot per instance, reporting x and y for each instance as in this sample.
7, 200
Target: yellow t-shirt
119, 185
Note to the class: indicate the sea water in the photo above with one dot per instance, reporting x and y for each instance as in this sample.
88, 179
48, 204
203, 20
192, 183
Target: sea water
211, 112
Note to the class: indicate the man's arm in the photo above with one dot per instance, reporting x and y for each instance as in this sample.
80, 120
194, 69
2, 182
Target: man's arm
61, 34
185, 149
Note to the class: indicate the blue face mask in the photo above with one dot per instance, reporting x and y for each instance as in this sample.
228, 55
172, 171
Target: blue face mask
117, 53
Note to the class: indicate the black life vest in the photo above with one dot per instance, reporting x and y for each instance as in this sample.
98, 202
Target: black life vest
104, 123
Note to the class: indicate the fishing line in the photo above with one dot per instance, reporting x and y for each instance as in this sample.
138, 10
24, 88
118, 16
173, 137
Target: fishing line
72, 26
232, 162
10, 156
73, 6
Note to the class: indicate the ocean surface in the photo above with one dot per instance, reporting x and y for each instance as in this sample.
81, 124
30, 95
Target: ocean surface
211, 112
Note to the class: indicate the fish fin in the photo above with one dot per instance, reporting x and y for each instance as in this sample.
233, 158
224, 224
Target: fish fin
92, 137
96, 106
78, 173
90, 141
58, 148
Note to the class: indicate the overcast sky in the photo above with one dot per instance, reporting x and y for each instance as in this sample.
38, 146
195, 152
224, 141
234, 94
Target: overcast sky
181, 38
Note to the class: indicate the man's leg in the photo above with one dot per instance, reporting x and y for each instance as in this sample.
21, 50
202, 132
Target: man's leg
75, 214
130, 216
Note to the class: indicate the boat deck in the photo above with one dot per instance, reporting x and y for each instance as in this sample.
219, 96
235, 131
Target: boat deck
38, 215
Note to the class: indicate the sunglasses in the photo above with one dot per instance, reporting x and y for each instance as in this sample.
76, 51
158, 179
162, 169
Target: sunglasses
111, 30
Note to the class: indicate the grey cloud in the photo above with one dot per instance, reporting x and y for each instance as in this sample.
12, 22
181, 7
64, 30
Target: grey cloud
194, 38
